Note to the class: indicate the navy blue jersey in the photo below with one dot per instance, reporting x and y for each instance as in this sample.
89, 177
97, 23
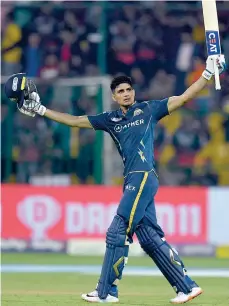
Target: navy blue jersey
133, 132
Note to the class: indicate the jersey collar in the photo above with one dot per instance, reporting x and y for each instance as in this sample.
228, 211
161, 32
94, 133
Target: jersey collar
121, 114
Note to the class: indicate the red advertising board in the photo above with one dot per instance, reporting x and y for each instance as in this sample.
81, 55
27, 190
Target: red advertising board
59, 213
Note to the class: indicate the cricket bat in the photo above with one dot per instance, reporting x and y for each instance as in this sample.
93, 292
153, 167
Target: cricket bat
212, 34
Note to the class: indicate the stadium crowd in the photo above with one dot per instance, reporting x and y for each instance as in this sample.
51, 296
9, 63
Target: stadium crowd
160, 45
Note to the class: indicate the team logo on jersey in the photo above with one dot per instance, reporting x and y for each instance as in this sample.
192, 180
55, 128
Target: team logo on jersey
138, 112
116, 119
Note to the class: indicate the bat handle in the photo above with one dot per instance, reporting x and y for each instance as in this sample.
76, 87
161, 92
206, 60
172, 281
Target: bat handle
217, 80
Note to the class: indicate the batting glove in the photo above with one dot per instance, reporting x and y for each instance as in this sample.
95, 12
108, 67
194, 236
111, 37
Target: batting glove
210, 70
34, 105
26, 112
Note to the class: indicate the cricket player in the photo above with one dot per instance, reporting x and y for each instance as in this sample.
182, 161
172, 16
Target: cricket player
131, 127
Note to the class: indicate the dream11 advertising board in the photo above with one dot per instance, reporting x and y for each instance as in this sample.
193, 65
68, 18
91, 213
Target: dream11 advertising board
57, 214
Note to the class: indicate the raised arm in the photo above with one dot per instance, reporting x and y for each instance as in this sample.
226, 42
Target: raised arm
33, 106
67, 119
178, 101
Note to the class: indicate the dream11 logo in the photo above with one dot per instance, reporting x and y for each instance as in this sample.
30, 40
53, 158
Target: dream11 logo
39, 213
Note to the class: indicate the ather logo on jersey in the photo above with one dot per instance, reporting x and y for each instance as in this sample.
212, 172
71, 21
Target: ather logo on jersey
118, 127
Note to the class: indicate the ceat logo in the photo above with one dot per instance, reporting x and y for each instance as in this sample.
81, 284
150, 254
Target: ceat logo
39, 213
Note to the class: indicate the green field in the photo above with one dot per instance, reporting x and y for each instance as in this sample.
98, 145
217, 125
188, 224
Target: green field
49, 258
59, 289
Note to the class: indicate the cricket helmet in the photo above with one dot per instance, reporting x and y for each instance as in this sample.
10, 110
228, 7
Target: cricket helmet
19, 88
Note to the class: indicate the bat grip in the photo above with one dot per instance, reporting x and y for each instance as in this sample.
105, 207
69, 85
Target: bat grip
216, 69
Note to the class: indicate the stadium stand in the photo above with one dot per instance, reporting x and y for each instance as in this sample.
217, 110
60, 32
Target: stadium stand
162, 53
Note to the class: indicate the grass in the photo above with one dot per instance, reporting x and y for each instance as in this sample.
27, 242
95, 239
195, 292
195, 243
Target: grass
57, 289
65, 289
50, 258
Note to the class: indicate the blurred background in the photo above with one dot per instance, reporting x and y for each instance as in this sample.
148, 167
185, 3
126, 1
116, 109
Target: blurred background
73, 49
160, 44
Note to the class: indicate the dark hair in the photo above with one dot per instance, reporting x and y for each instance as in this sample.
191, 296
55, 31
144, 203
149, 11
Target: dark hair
120, 80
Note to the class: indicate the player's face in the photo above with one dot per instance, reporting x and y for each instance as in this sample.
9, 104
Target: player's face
124, 95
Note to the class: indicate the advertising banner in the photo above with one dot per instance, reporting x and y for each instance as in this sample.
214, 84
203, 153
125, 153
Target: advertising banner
33, 246
218, 217
85, 212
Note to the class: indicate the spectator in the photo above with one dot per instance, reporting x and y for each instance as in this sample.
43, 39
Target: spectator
86, 158
45, 23
172, 28
28, 156
62, 95
81, 56
64, 71
159, 139
159, 91
130, 14
148, 45
122, 45
60, 153
198, 33
146, 59
159, 136
66, 45
50, 69
186, 139
77, 65
203, 101
11, 50
140, 84
33, 55
70, 23
226, 115
52, 47
183, 62
4, 148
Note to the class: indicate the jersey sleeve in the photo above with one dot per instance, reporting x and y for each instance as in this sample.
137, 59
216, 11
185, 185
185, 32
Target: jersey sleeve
99, 122
159, 108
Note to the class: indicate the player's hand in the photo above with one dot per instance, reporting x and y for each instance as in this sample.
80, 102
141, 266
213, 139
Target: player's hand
33, 104
210, 68
26, 112
221, 63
